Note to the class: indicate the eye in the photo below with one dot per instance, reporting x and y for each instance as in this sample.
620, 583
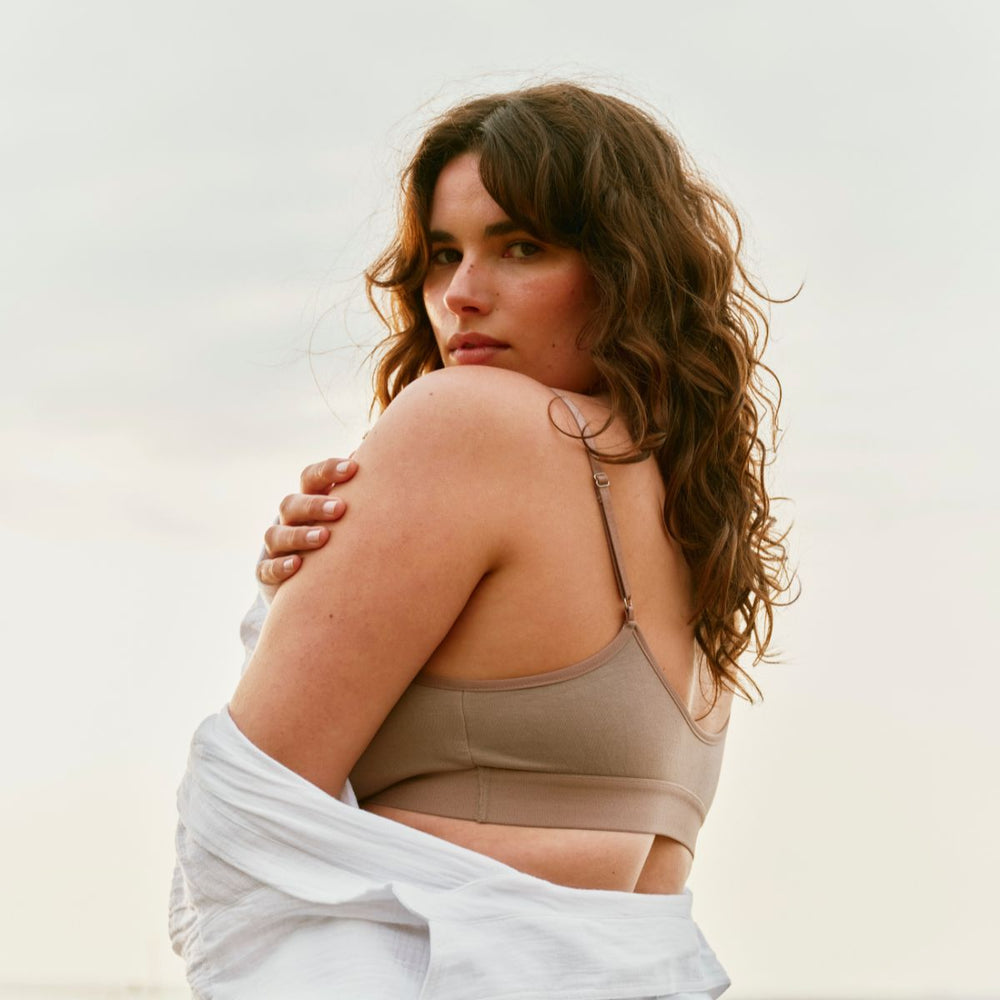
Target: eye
522, 249
445, 256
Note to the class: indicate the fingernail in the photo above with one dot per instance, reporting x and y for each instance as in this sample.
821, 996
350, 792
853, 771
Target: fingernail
289, 564
312, 536
344, 466
331, 506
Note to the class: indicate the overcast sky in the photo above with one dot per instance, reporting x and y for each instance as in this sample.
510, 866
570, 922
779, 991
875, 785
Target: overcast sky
190, 191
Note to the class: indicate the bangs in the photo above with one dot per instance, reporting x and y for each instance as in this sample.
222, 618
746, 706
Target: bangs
532, 173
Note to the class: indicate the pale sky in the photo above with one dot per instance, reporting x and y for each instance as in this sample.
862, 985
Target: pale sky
190, 192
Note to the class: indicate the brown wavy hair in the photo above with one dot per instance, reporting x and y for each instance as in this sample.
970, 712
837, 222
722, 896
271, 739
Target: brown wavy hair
677, 336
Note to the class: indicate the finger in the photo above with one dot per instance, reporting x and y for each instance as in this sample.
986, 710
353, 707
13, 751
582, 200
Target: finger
300, 508
322, 476
282, 540
275, 571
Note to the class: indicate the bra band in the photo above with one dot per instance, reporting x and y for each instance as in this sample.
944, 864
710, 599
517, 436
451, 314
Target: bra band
603, 489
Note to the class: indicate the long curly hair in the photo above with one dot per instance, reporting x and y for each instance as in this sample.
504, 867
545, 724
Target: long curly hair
676, 338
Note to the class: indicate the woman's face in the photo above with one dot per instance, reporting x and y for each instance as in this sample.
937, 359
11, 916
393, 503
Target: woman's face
496, 295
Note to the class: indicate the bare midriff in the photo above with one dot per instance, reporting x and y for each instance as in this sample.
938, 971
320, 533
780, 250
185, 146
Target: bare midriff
582, 859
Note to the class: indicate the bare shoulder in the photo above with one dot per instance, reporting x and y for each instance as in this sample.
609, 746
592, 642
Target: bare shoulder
457, 415
493, 390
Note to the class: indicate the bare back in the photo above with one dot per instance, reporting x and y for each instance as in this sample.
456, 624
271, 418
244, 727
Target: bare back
554, 602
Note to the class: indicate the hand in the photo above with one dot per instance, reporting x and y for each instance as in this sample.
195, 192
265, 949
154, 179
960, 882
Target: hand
302, 516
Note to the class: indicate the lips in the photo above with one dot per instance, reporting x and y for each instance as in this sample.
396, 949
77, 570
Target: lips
474, 348
459, 341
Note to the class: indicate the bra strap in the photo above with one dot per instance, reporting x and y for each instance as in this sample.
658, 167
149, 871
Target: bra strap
603, 488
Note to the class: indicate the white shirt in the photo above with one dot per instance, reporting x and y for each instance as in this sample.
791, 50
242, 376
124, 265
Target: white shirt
286, 893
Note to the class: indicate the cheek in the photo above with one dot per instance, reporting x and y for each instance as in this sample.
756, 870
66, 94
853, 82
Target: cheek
432, 306
559, 301
572, 304
427, 294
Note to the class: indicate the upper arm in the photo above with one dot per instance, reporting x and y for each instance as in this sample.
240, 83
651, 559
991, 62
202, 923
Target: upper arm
350, 631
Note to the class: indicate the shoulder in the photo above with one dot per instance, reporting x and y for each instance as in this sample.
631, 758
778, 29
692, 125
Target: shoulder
491, 390
463, 414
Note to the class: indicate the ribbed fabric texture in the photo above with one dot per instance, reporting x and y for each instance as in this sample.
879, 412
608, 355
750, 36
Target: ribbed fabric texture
607, 747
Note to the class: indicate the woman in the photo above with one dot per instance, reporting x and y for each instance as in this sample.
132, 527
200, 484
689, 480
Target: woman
490, 654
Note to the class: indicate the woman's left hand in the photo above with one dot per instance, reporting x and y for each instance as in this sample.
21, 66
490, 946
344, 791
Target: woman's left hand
303, 517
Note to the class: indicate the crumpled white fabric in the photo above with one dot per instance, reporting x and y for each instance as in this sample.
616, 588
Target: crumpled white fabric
253, 620
284, 892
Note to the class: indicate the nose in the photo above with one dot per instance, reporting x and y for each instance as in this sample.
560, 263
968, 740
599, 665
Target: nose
469, 292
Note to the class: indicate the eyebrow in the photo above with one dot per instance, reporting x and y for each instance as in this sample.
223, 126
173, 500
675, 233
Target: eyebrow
493, 229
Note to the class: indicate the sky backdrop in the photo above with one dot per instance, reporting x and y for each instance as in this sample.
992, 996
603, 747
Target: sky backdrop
190, 193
